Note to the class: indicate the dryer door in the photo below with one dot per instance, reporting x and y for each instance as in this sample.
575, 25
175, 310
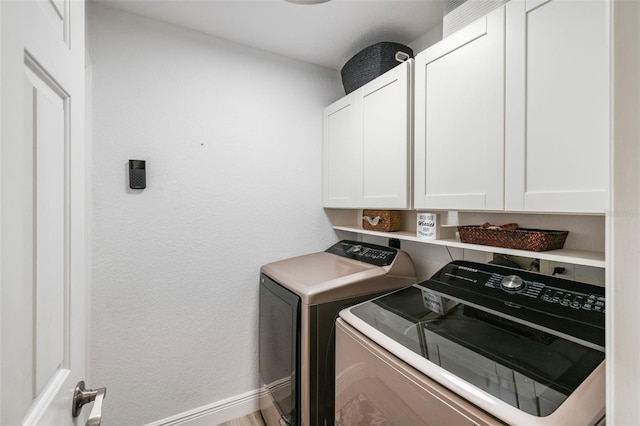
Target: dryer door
279, 351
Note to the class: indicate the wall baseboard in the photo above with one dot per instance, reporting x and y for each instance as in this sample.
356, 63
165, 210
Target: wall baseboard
215, 413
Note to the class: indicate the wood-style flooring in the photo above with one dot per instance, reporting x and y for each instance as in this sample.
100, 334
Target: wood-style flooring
253, 419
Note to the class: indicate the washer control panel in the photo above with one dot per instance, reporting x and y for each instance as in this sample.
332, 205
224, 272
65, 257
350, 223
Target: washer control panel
364, 252
589, 302
547, 292
570, 307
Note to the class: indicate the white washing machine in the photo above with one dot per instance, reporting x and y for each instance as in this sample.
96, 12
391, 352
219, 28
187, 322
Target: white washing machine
300, 299
476, 344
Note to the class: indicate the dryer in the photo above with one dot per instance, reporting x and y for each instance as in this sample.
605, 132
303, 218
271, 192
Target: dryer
300, 299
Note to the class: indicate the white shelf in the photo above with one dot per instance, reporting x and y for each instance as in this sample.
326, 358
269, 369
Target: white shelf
576, 257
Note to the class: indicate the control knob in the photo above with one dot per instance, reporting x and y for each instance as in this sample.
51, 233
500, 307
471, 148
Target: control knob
512, 283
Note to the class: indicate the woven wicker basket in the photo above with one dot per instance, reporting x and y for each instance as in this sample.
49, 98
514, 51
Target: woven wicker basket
389, 220
521, 238
370, 63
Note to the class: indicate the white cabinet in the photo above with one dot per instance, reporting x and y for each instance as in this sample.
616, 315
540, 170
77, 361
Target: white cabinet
367, 144
557, 99
459, 133
512, 112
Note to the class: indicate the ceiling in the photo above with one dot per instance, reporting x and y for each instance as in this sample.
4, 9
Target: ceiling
325, 34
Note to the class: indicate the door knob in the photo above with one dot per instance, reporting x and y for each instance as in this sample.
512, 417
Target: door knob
82, 396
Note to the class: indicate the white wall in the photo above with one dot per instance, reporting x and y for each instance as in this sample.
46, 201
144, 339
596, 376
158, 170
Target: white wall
426, 40
232, 138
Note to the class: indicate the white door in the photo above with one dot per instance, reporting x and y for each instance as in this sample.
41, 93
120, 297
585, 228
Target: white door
42, 194
459, 137
342, 153
557, 94
386, 138
459, 133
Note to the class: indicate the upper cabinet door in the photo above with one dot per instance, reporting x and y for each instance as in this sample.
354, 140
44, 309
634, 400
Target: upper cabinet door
342, 152
557, 95
459, 132
367, 144
386, 127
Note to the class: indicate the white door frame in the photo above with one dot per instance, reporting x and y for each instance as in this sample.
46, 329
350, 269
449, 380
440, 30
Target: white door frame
623, 220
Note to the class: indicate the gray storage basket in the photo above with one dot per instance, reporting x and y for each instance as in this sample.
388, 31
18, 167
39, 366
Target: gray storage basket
372, 62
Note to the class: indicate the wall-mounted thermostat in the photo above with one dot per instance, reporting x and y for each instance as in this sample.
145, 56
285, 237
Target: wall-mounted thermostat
137, 174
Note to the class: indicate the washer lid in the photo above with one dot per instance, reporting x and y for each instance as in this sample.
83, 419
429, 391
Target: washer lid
345, 270
517, 373
324, 277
